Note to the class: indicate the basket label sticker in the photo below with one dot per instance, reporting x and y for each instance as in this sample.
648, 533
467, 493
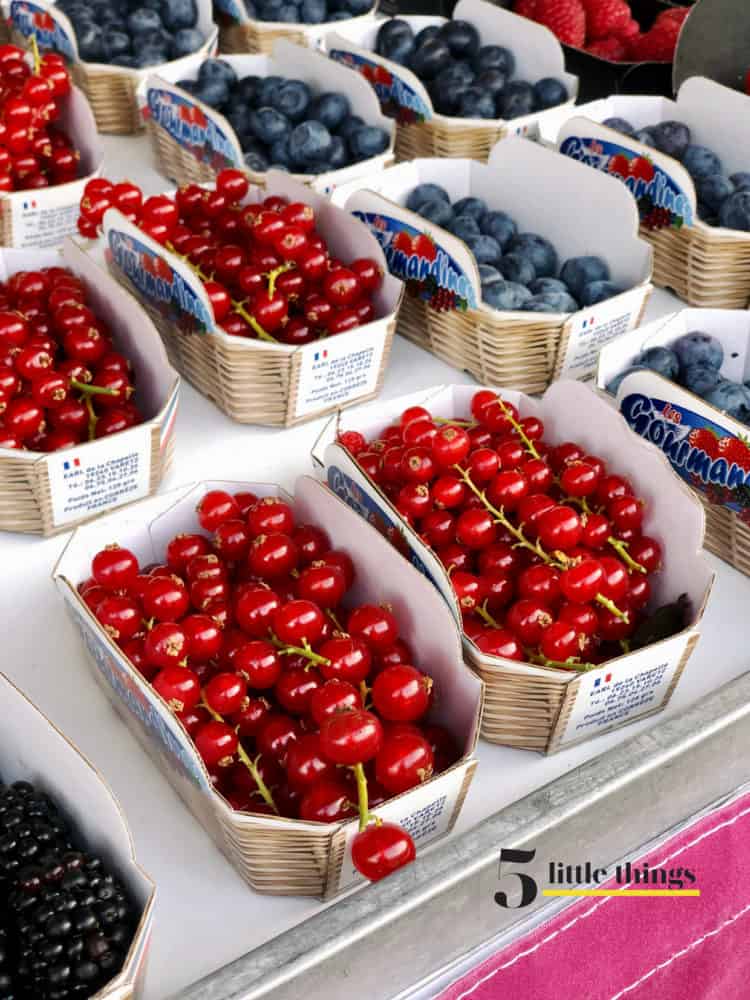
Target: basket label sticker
661, 201
338, 370
703, 453
397, 99
34, 19
99, 475
422, 264
37, 223
192, 128
613, 695
155, 280
592, 329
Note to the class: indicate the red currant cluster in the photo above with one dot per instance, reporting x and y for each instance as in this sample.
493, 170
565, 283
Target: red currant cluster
61, 381
297, 705
543, 544
35, 152
267, 272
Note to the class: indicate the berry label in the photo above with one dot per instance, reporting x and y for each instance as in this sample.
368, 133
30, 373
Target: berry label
33, 19
37, 223
339, 370
154, 280
592, 329
192, 128
99, 475
422, 264
662, 203
700, 451
397, 99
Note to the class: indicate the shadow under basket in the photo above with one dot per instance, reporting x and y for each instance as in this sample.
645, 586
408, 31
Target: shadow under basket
705, 268
439, 138
111, 95
727, 536
176, 162
234, 39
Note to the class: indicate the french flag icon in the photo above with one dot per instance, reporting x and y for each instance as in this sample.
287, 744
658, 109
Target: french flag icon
598, 681
321, 355
74, 464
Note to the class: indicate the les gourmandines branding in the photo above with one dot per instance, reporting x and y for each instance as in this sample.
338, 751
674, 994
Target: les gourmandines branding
397, 99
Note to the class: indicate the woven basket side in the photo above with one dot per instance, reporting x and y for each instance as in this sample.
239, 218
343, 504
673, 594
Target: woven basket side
112, 99
176, 162
252, 37
432, 138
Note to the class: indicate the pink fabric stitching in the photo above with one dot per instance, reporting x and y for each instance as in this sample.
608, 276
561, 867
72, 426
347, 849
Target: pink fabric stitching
596, 906
683, 951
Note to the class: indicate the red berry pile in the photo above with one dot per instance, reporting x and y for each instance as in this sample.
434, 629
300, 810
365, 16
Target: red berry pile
61, 380
543, 544
267, 272
35, 151
607, 28
299, 705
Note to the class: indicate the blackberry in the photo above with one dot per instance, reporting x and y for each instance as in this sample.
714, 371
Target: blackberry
73, 923
8, 986
30, 828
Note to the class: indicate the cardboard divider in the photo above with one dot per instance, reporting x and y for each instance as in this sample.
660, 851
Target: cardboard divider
526, 705
521, 350
44, 493
255, 381
239, 33
193, 142
274, 854
32, 749
422, 131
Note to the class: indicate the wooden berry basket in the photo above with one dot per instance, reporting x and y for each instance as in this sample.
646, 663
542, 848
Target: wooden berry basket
522, 350
706, 266
238, 33
541, 708
46, 493
275, 855
195, 153
111, 90
420, 130
253, 381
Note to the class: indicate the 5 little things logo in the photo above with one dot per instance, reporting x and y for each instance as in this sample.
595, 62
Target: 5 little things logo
427, 270
661, 203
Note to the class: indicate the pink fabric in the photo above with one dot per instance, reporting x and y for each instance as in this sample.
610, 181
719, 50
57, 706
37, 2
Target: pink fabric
691, 948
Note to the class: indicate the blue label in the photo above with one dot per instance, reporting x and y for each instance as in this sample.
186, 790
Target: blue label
155, 280
192, 129
700, 451
661, 202
396, 97
29, 19
427, 270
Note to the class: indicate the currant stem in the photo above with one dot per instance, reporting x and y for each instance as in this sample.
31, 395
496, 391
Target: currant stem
339, 627
249, 763
37, 56
456, 423
363, 692
621, 548
481, 610
252, 321
92, 390
527, 442
92, 417
570, 664
305, 651
362, 796
273, 275
612, 607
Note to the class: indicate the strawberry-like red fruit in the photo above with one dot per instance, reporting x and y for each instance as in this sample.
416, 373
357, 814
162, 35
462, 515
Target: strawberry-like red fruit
619, 164
642, 169
734, 451
704, 440
565, 18
605, 18
658, 44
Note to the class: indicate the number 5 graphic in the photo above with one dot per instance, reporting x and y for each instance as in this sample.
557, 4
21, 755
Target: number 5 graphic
529, 889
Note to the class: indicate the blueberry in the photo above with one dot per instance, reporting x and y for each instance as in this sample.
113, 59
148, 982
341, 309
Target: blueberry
733, 398
267, 86
598, 291
395, 40
436, 210
551, 302
217, 69
619, 125
486, 250
430, 58
310, 142
713, 191
579, 271
177, 14
741, 180
268, 125
268, 10
455, 73
517, 99
367, 142
313, 11
735, 211
463, 226
698, 346
255, 161
292, 99
91, 43
330, 109
426, 192
356, 8
701, 162
427, 34
239, 118
516, 267
645, 136
495, 57
144, 21
614, 384
126, 61
539, 286
349, 126
476, 103
475, 207
492, 81
191, 86
339, 155
116, 43
540, 252
700, 377
186, 41
214, 93
550, 92
488, 274
505, 295
671, 138
245, 91
337, 15
287, 14
151, 55
461, 38
661, 360
500, 226
279, 155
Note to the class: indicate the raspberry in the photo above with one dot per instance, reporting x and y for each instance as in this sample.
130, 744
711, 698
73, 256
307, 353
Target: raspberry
605, 18
526, 8
565, 18
629, 30
611, 48
658, 44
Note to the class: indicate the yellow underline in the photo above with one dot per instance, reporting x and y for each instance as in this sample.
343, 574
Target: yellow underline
621, 892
